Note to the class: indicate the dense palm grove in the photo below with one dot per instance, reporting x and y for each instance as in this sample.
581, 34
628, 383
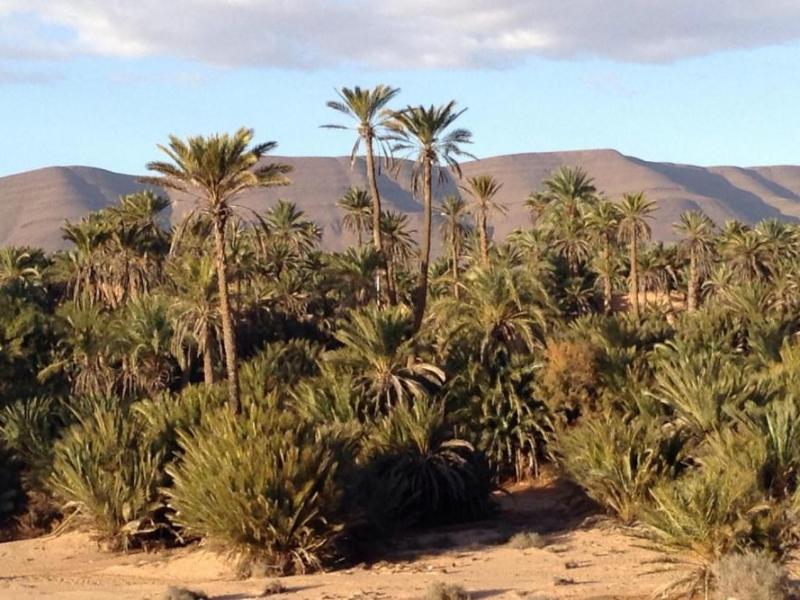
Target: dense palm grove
229, 380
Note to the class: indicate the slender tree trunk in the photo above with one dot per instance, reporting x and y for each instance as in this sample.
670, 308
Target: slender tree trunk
456, 255
208, 364
377, 238
228, 332
634, 281
425, 254
483, 236
691, 295
360, 239
607, 290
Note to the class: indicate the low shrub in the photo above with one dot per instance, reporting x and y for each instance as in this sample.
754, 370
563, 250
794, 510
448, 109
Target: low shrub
749, 576
264, 487
527, 539
416, 475
446, 591
618, 463
108, 478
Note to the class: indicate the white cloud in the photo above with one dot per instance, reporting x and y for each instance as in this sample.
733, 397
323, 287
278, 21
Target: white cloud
393, 33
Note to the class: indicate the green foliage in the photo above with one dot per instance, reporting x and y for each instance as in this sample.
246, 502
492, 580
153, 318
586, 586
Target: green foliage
29, 429
416, 474
108, 476
619, 463
265, 488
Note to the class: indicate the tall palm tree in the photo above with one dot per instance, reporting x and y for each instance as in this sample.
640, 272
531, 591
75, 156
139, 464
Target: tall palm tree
603, 222
368, 107
217, 169
357, 208
483, 189
425, 134
453, 210
634, 211
698, 242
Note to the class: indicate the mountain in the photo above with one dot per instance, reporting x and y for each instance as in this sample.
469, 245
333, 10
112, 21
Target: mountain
34, 205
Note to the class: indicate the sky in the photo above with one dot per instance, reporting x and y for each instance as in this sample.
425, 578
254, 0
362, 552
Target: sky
102, 82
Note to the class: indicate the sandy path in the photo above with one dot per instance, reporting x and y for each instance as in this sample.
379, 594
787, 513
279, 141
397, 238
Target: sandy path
597, 561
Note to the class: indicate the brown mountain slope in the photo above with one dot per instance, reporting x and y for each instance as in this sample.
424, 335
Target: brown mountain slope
34, 205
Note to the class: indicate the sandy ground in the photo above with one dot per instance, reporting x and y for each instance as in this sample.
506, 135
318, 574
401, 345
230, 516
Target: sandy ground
586, 557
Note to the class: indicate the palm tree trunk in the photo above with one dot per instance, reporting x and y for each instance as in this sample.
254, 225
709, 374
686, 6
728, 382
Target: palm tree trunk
456, 255
484, 236
607, 290
425, 254
228, 332
634, 281
377, 239
691, 299
208, 364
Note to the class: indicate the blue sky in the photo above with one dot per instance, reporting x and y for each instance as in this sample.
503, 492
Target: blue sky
82, 83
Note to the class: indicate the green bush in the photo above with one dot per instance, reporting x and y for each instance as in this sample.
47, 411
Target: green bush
618, 463
108, 477
416, 475
265, 487
29, 429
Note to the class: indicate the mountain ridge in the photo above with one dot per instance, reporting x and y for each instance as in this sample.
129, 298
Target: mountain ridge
34, 204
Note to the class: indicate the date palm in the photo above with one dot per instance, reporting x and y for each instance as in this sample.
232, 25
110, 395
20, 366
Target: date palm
399, 244
603, 221
453, 228
697, 231
634, 212
368, 108
381, 355
569, 187
483, 189
425, 134
217, 169
357, 208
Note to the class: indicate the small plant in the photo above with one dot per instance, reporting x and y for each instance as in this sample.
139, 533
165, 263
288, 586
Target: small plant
446, 591
179, 593
527, 539
749, 576
273, 588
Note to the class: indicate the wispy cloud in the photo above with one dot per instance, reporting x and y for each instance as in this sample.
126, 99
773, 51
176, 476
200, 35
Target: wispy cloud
394, 33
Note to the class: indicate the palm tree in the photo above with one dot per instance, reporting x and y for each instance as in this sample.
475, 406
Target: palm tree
603, 222
634, 211
217, 169
368, 108
399, 244
194, 310
698, 242
378, 350
357, 209
483, 189
569, 187
452, 211
286, 224
425, 133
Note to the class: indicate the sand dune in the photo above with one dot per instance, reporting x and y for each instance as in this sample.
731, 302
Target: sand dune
34, 205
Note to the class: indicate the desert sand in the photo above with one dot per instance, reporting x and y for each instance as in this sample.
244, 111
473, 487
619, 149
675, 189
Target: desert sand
587, 556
